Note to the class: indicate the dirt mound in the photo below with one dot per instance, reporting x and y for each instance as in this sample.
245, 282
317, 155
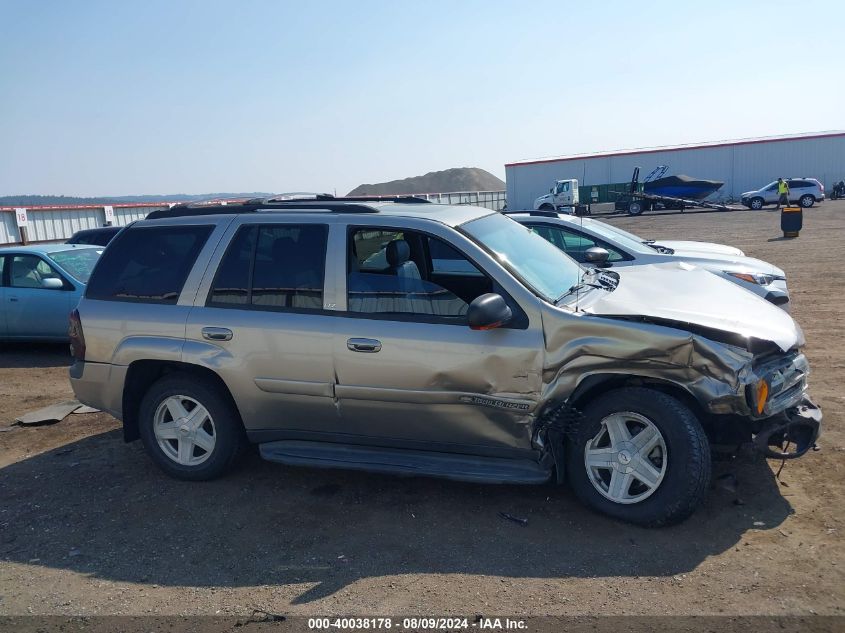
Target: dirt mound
455, 179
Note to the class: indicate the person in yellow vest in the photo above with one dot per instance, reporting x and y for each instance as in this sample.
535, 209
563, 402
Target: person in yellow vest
783, 193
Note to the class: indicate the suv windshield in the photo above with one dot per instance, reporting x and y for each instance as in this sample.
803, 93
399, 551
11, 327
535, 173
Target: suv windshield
78, 262
534, 261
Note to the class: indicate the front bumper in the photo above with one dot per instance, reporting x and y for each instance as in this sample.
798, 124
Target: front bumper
791, 433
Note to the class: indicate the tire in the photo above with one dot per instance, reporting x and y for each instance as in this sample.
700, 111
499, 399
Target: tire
635, 208
680, 456
756, 203
807, 201
546, 207
167, 440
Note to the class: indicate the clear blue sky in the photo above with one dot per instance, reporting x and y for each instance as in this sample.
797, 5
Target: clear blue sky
169, 96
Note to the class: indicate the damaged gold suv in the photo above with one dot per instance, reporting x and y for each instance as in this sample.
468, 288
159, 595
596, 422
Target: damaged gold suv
393, 335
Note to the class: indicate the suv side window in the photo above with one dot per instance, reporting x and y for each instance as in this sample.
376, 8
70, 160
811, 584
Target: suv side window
370, 248
2, 269
273, 267
414, 276
574, 244
445, 260
147, 264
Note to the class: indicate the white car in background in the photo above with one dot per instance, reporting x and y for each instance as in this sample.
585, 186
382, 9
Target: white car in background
803, 191
576, 236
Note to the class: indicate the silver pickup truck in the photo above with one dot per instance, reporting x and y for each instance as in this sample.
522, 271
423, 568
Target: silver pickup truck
412, 338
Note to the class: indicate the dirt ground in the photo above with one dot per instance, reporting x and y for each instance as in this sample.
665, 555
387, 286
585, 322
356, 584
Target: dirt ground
89, 526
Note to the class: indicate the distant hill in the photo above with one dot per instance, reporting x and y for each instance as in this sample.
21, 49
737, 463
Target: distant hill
35, 201
455, 179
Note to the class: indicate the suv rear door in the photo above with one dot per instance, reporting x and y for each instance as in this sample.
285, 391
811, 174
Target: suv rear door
262, 327
410, 371
798, 188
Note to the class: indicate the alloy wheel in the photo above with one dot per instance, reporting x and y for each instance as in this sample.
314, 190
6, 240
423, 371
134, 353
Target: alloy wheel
184, 430
626, 460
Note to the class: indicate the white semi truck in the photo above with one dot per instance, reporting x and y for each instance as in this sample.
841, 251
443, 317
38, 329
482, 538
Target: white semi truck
562, 197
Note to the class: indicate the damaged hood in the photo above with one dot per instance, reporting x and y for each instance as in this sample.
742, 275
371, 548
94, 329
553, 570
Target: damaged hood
683, 294
682, 247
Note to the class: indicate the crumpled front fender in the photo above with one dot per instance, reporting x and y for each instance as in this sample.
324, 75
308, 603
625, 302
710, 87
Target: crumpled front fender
579, 346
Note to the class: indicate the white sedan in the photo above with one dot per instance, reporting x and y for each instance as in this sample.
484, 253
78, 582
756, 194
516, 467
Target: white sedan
576, 236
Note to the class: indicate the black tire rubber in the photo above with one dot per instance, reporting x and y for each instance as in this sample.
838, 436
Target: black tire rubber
546, 207
754, 201
689, 463
230, 440
635, 208
807, 201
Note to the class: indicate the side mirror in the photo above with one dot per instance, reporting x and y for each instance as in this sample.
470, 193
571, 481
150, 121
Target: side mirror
596, 255
52, 283
552, 190
488, 312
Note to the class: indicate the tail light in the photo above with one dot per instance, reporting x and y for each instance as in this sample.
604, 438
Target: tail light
77, 338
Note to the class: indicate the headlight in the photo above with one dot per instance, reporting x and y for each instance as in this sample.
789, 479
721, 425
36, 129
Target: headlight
753, 278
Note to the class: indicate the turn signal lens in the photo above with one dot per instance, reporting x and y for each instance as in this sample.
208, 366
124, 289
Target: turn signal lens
762, 393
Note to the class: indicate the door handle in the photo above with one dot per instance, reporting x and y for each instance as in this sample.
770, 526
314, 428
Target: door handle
13, 299
217, 333
369, 345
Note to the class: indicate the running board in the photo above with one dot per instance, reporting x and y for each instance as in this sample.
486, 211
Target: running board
375, 459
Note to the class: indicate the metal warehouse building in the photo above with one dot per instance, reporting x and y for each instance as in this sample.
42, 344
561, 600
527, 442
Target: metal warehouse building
743, 165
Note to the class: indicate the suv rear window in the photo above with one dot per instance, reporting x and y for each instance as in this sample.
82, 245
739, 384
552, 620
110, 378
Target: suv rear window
147, 264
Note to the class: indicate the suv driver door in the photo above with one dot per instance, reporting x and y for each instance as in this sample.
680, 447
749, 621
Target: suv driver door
410, 371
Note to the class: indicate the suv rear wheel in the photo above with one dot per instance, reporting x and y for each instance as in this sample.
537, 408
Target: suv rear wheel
640, 456
189, 429
807, 201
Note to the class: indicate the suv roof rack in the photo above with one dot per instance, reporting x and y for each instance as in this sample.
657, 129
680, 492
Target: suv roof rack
323, 197
318, 202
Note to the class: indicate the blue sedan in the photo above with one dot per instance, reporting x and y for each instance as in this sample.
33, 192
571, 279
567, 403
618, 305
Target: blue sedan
39, 286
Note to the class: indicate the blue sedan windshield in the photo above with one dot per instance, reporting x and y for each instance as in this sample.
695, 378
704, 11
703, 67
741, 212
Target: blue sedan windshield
78, 262
534, 261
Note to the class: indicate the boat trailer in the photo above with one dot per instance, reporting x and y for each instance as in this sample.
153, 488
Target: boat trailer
634, 202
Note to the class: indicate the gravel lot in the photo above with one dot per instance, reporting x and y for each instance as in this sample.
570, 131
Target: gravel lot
89, 526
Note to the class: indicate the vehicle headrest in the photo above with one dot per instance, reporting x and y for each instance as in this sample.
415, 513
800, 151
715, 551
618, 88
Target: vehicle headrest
398, 252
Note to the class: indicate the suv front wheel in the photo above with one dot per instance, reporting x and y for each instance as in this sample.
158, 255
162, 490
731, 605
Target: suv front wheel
189, 429
641, 456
